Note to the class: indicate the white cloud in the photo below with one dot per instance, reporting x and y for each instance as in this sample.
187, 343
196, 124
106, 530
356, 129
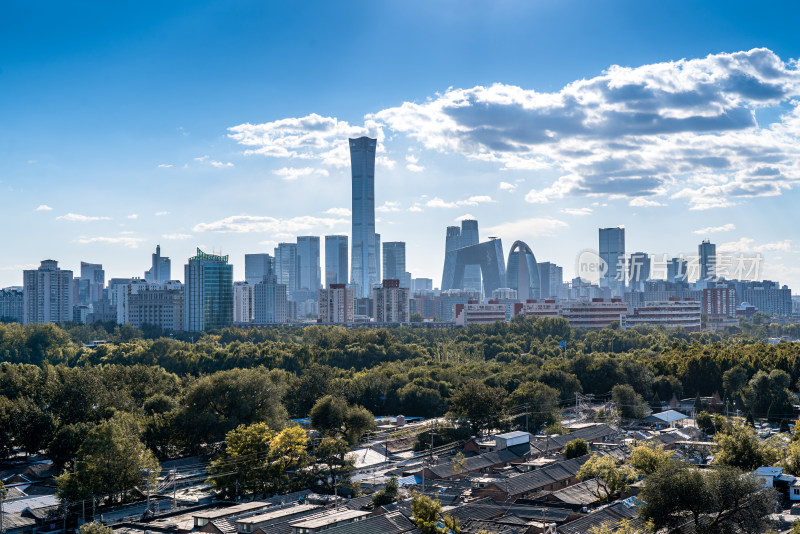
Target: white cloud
76, 217
293, 173
133, 216
161, 213
19, 267
714, 229
268, 243
642, 202
127, 241
577, 211
176, 236
412, 162
415, 208
339, 212
505, 186
388, 206
474, 200
465, 217
164, 165
534, 227
747, 244
43, 207
251, 223
213, 162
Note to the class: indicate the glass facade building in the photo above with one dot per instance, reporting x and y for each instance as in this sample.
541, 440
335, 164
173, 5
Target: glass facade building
364, 258
612, 252
308, 264
336, 259
394, 261
522, 273
286, 267
257, 266
208, 303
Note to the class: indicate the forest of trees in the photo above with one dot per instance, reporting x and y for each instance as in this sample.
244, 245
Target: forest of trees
176, 397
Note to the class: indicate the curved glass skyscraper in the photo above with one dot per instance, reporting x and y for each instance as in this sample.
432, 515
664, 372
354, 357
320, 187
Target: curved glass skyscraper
364, 260
522, 273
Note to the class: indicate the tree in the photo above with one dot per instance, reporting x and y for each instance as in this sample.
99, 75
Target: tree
94, 528
715, 501
648, 459
334, 465
389, 494
288, 457
67, 441
622, 527
540, 401
111, 461
631, 405
576, 447
739, 447
610, 479
243, 469
479, 405
333, 416
426, 513
768, 395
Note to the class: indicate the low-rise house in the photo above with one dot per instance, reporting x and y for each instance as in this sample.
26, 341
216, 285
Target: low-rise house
531, 484
611, 515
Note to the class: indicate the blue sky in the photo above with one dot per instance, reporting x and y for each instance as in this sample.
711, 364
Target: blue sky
223, 124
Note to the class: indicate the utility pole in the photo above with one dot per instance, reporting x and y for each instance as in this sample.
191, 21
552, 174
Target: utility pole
2, 498
174, 488
526, 417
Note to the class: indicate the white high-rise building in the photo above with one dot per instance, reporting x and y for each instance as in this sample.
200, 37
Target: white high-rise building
242, 302
48, 294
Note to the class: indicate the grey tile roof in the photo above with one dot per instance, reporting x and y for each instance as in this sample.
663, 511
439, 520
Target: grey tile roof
390, 523
539, 478
613, 514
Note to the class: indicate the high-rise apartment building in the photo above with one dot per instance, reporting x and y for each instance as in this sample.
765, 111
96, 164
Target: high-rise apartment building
209, 292
308, 264
47, 292
390, 303
242, 302
336, 304
336, 260
364, 264
270, 301
156, 304
707, 252
612, 252
160, 269
286, 267
12, 304
257, 266
720, 301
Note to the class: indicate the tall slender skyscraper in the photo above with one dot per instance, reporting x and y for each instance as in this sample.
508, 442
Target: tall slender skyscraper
708, 260
612, 252
364, 264
469, 236
160, 269
394, 261
336, 260
308, 263
451, 244
286, 267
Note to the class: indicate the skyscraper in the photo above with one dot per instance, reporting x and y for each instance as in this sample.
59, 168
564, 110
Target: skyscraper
469, 236
394, 260
257, 266
551, 278
707, 251
336, 261
286, 267
522, 273
270, 301
160, 269
391, 302
47, 293
612, 252
308, 264
451, 244
89, 287
364, 264
638, 270
208, 302
242, 302
378, 269
676, 270
336, 304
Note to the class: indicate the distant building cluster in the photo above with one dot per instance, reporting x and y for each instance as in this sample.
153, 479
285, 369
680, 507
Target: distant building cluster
365, 282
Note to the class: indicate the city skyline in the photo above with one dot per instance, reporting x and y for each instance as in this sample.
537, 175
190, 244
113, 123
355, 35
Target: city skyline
270, 164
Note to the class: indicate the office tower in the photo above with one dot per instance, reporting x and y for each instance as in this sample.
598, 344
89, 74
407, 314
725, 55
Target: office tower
160, 269
47, 294
676, 270
421, 284
209, 292
257, 266
551, 278
488, 256
612, 252
336, 304
158, 304
308, 265
89, 287
286, 267
391, 302
378, 259
469, 236
242, 302
451, 244
336, 260
270, 301
364, 264
707, 252
12, 304
394, 260
522, 273
638, 270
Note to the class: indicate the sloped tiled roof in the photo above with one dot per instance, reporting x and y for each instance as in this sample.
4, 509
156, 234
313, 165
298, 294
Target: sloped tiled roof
391, 523
540, 478
613, 514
